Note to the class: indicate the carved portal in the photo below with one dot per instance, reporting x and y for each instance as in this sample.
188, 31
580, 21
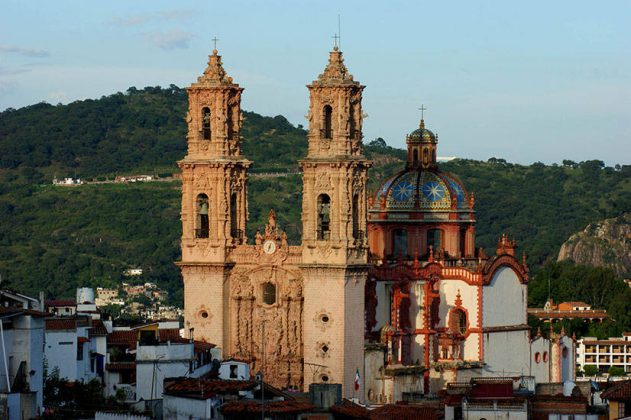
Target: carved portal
269, 295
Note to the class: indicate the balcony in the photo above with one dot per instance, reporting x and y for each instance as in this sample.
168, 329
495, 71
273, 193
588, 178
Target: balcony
201, 233
590, 349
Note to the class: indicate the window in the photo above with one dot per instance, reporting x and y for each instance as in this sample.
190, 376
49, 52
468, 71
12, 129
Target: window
206, 123
79, 351
415, 156
324, 219
434, 239
458, 322
545, 356
351, 121
202, 228
234, 371
400, 243
234, 217
537, 357
269, 293
463, 241
328, 124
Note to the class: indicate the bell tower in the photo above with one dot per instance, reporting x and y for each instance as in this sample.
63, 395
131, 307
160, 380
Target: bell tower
334, 241
214, 199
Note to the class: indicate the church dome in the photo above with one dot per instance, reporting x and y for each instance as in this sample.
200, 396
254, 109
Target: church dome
422, 190
422, 135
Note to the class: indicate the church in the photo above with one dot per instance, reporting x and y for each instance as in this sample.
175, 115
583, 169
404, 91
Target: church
389, 286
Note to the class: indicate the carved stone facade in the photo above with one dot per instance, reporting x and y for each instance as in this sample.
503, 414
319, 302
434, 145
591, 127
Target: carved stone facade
296, 306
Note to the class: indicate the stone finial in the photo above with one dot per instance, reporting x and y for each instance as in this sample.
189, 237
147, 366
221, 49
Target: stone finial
214, 73
506, 245
471, 199
335, 71
431, 254
458, 300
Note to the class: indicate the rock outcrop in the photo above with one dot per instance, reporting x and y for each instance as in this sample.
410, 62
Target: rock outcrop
606, 244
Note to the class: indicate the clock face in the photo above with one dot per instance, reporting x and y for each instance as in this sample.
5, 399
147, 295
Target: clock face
269, 247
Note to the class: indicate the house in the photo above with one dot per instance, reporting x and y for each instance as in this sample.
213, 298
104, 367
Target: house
619, 397
140, 358
553, 359
61, 307
552, 312
75, 347
21, 360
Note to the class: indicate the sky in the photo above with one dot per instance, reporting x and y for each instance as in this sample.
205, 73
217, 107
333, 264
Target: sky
524, 81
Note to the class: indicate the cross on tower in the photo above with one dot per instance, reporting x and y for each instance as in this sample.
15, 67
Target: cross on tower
422, 108
214, 40
336, 38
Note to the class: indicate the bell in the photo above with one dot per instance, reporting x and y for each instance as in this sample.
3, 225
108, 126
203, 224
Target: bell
203, 208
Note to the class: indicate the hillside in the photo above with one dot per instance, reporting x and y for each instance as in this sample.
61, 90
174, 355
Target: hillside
56, 238
606, 243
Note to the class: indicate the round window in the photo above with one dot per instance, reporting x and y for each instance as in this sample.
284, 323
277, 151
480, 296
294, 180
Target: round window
203, 314
537, 357
324, 318
324, 378
545, 356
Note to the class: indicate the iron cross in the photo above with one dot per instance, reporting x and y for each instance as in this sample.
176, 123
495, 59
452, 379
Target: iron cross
214, 40
336, 37
422, 108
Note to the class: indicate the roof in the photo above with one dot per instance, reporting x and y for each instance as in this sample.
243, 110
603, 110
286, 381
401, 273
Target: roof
98, 328
421, 190
129, 338
404, 412
349, 409
620, 391
61, 324
60, 302
83, 340
11, 310
118, 366
199, 388
250, 407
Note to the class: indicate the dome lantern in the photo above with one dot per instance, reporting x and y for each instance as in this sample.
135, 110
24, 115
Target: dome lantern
421, 147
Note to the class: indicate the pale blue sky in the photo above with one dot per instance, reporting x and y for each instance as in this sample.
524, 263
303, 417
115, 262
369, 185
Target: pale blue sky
526, 81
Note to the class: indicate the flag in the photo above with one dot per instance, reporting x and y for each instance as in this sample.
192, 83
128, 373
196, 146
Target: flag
357, 380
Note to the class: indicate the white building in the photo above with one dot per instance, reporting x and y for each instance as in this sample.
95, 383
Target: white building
21, 362
75, 347
552, 360
614, 351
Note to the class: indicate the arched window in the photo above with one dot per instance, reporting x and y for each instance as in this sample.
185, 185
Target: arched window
415, 156
434, 239
425, 156
269, 293
202, 227
328, 122
206, 123
229, 121
356, 232
458, 322
400, 243
324, 217
234, 217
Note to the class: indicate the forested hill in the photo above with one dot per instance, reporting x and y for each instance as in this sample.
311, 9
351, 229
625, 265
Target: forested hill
137, 131
56, 238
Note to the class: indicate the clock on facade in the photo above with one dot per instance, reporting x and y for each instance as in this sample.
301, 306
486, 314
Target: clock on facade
269, 246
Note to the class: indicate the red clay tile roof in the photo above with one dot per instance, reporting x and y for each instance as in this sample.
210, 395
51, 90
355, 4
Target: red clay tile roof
349, 410
83, 340
404, 412
124, 337
98, 328
60, 302
205, 388
620, 391
250, 407
118, 366
12, 310
61, 324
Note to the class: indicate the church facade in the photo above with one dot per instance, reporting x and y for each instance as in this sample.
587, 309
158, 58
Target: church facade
390, 286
